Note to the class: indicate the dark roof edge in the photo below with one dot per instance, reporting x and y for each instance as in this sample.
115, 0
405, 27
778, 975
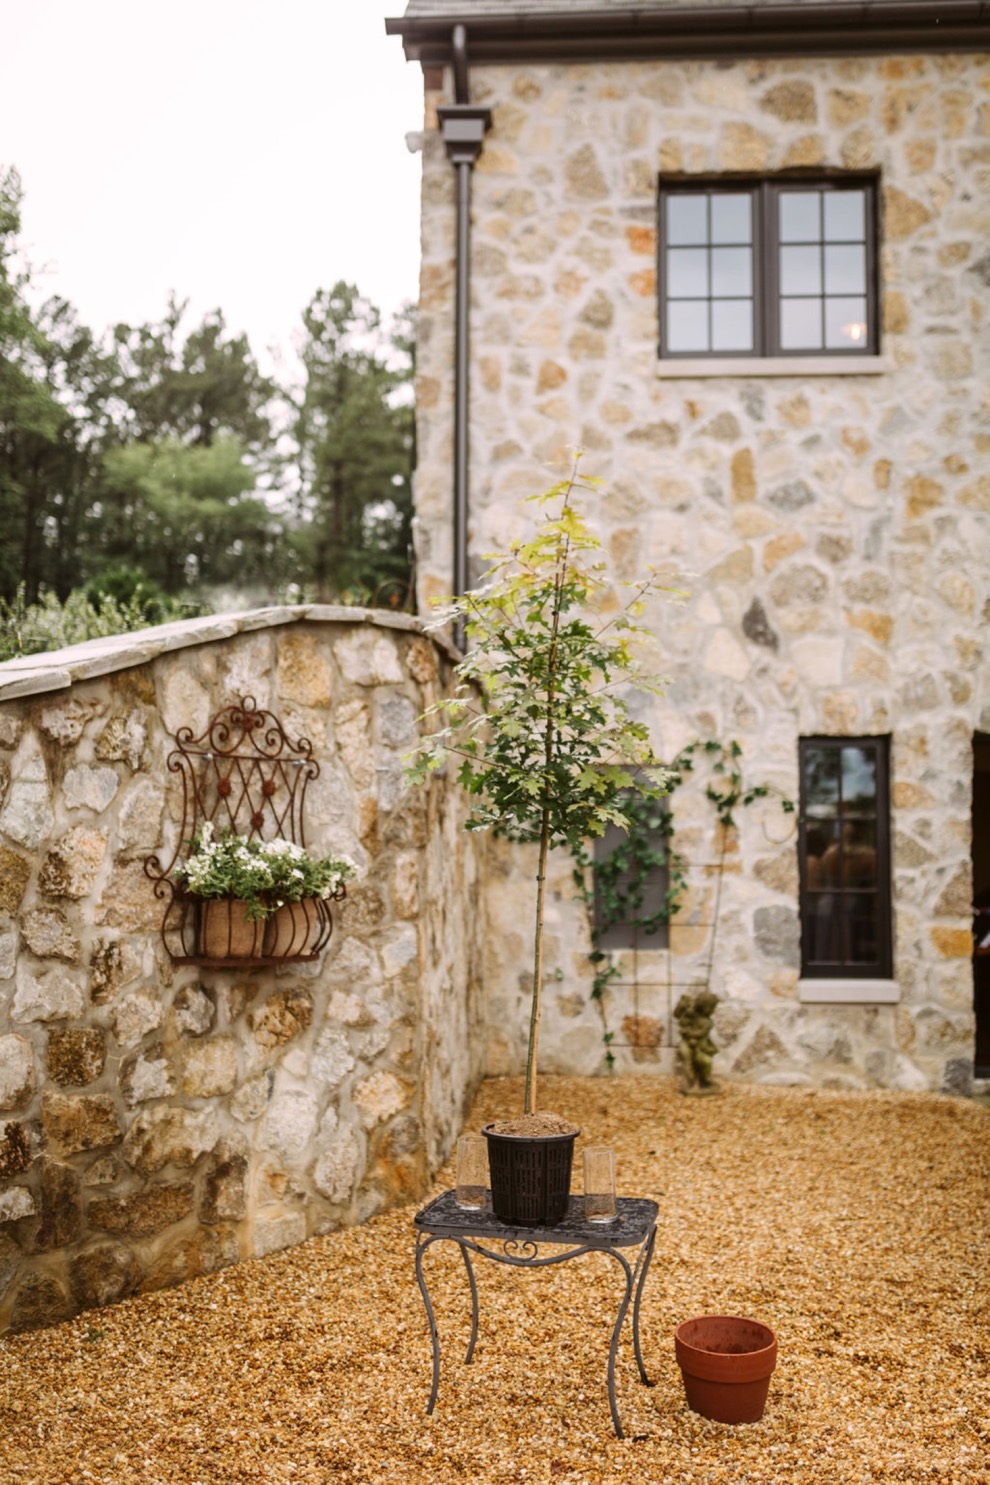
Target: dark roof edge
833, 27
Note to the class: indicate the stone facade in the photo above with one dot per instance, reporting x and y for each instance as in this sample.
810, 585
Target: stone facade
831, 530
160, 1120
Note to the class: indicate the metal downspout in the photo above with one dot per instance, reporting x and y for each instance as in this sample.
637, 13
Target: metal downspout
464, 128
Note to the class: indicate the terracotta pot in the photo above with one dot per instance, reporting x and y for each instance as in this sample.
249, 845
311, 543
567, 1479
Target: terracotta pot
726, 1362
293, 929
226, 932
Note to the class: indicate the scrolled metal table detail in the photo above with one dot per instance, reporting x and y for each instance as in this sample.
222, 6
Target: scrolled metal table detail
635, 1226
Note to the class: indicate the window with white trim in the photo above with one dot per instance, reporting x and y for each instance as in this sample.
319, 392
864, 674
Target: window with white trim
844, 849
777, 267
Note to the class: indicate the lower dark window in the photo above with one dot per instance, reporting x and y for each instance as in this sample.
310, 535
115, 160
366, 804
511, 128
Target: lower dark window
845, 858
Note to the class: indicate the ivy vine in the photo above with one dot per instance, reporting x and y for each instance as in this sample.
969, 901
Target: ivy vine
615, 883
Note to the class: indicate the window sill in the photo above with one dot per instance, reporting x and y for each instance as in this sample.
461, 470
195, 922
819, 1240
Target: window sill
701, 366
848, 992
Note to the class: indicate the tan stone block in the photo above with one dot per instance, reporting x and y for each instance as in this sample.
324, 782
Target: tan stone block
491, 373
903, 215
642, 240
908, 795
210, 1067
920, 154
751, 523
844, 107
78, 1122
951, 254
352, 731
587, 345
644, 283
743, 477
859, 149
129, 901
671, 159
958, 592
568, 284
583, 175
868, 665
550, 376
496, 159
795, 410
741, 147
877, 626
15, 873
123, 739
954, 361
955, 464
882, 471
304, 674
952, 943
793, 102
977, 495
15, 1152
427, 392
737, 567
808, 150
896, 318
780, 548
923, 494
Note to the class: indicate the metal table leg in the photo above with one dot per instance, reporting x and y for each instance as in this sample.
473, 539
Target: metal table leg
421, 1246
644, 1259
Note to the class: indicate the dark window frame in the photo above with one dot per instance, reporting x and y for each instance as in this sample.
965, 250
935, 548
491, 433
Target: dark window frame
765, 191
881, 967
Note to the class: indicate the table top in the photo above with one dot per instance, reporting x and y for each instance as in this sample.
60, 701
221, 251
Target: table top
635, 1217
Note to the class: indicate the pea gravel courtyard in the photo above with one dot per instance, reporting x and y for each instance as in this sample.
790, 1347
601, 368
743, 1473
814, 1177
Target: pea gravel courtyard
854, 1223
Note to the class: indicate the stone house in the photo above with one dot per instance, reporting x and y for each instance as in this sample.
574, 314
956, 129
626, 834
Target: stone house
738, 255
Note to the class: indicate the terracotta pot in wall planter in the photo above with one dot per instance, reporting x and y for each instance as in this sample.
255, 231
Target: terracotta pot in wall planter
226, 932
726, 1362
293, 929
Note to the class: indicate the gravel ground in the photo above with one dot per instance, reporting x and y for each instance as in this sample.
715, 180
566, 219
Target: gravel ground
854, 1224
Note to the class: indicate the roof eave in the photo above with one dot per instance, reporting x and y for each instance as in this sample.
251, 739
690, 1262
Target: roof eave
841, 27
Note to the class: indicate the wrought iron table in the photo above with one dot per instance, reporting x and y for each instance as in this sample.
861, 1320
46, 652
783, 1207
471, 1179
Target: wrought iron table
634, 1226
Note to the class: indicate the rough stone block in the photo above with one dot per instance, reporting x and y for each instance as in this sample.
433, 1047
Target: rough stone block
144, 1212
15, 873
337, 1170
71, 867
54, 995
15, 1149
283, 1016
40, 1300
380, 1096
18, 1072
48, 935
16, 1202
123, 739
136, 1015
27, 816
78, 1122
89, 788
224, 1191
75, 1056
145, 1075
61, 1215
103, 1273
210, 1067
194, 1008
778, 935
164, 1136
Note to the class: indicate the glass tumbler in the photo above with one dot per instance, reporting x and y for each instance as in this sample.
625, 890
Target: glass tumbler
599, 1184
472, 1171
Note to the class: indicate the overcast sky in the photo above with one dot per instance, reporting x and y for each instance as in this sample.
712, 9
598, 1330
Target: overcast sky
242, 152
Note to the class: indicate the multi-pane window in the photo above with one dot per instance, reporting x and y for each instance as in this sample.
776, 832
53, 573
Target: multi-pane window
767, 268
844, 836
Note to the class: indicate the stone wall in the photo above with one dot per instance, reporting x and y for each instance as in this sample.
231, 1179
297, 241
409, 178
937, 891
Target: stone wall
158, 1121
832, 530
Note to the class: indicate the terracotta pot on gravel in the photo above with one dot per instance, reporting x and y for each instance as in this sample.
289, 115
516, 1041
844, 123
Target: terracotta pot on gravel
726, 1362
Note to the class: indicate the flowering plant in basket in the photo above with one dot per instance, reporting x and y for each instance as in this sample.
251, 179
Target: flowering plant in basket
264, 875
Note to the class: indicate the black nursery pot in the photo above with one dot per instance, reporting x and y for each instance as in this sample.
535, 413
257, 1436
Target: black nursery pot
530, 1176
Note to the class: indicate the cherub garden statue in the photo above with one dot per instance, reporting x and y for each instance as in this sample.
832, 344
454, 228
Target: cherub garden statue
693, 1014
